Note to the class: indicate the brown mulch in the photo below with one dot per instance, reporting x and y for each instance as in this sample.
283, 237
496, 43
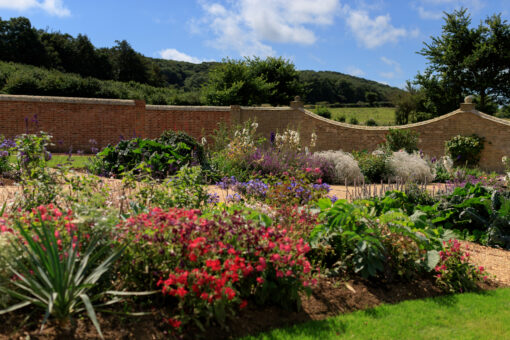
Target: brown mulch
328, 299
495, 261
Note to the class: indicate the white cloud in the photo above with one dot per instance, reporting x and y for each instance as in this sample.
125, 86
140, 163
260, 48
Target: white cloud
173, 54
53, 7
433, 9
246, 26
397, 70
354, 71
375, 32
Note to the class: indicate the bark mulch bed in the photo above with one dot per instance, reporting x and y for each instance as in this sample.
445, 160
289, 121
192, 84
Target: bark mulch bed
329, 298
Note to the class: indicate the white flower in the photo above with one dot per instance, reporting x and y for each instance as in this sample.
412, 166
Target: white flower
313, 139
448, 163
254, 125
203, 141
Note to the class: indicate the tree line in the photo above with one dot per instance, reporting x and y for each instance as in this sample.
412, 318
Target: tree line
249, 81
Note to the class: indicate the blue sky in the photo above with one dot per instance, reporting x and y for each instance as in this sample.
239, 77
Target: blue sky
377, 39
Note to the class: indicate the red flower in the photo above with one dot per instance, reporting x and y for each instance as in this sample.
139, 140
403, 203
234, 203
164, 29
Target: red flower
243, 304
181, 291
213, 264
174, 323
230, 293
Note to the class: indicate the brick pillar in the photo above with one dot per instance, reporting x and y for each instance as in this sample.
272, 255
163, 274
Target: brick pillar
468, 104
140, 112
297, 103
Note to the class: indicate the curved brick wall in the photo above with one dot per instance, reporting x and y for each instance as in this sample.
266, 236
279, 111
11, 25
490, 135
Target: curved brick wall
74, 121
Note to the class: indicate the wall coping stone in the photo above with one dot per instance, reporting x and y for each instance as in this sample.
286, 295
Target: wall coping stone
407, 126
186, 108
70, 100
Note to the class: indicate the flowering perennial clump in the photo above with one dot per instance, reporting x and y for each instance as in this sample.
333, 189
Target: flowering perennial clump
212, 266
454, 272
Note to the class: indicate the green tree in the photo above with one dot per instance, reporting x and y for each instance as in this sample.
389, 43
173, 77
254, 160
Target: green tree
19, 42
128, 64
371, 97
233, 83
252, 82
465, 60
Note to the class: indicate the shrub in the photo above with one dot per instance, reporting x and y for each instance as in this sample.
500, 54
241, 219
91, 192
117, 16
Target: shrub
373, 166
346, 168
371, 122
454, 272
398, 139
465, 150
173, 138
354, 238
340, 118
162, 159
323, 112
410, 167
353, 121
213, 265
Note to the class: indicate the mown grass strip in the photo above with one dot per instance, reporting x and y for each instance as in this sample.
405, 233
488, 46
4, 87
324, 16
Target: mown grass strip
483, 315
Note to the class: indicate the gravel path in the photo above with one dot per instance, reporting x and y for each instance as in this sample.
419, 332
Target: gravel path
495, 261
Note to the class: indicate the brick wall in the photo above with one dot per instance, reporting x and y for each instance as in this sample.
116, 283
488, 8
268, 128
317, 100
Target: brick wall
74, 121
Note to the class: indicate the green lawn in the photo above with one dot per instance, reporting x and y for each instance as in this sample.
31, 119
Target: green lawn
76, 161
464, 316
382, 115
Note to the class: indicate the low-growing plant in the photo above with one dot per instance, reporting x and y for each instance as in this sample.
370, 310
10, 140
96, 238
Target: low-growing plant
323, 111
340, 118
410, 167
213, 266
353, 121
346, 169
454, 272
371, 122
127, 155
373, 166
52, 269
355, 238
186, 189
194, 148
465, 150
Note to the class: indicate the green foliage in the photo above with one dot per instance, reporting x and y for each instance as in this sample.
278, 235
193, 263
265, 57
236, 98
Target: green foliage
466, 60
50, 274
333, 87
398, 139
161, 159
371, 122
175, 138
374, 167
183, 190
323, 112
26, 79
353, 121
39, 185
357, 238
340, 118
252, 82
465, 150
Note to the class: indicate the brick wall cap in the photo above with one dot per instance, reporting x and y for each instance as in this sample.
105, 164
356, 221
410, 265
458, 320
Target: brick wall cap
69, 100
407, 126
186, 108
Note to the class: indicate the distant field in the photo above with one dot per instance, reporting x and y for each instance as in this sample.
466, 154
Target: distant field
382, 115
